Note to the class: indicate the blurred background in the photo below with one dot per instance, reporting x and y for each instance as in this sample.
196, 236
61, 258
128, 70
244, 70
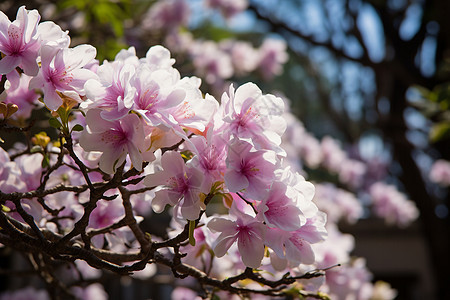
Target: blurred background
373, 75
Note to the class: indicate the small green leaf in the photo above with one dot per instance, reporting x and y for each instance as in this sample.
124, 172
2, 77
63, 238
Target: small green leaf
45, 161
77, 127
36, 149
215, 297
191, 232
440, 131
54, 122
5, 208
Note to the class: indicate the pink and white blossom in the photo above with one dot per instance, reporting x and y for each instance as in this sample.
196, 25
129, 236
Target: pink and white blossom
279, 210
272, 56
295, 246
392, 205
211, 155
177, 185
112, 90
62, 71
19, 42
246, 230
249, 170
249, 114
116, 139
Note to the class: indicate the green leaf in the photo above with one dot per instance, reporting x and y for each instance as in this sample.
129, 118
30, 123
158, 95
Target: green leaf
215, 297
5, 208
36, 149
191, 232
54, 122
440, 131
45, 161
77, 127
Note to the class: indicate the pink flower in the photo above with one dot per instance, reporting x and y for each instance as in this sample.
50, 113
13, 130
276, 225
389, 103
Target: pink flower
155, 94
62, 71
246, 230
243, 56
116, 139
272, 57
392, 205
279, 210
179, 185
106, 213
249, 169
211, 156
250, 114
112, 90
211, 63
295, 246
19, 42
352, 172
228, 8
337, 203
51, 34
332, 154
167, 14
440, 172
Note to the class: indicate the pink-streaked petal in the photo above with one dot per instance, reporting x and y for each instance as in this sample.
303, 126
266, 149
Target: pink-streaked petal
196, 178
47, 55
14, 79
79, 56
90, 142
222, 225
251, 250
235, 181
278, 263
274, 238
160, 201
223, 245
8, 63
159, 178
172, 162
94, 89
96, 123
246, 92
111, 159
299, 251
314, 230
33, 18
51, 99
80, 76
279, 211
29, 63
36, 82
4, 22
135, 157
174, 98
190, 211
114, 114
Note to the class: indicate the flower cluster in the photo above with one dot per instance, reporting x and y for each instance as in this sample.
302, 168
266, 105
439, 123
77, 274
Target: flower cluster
136, 107
136, 136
